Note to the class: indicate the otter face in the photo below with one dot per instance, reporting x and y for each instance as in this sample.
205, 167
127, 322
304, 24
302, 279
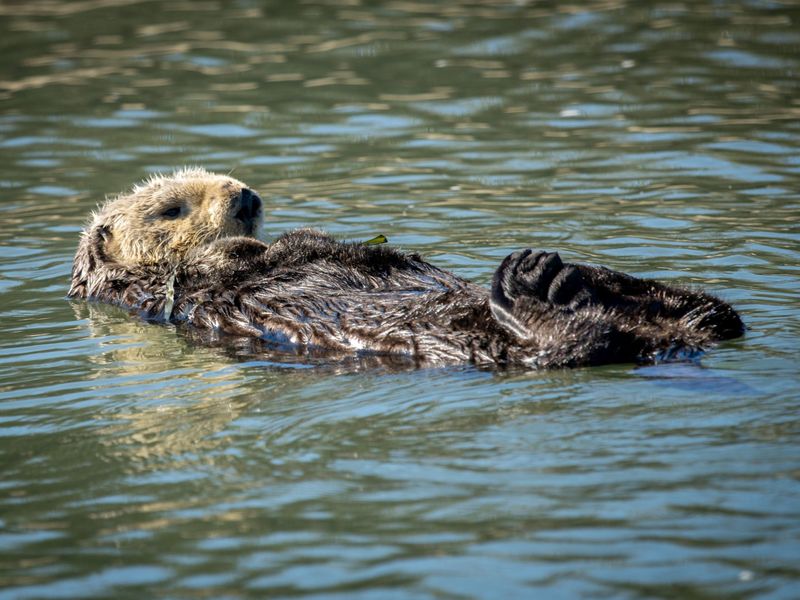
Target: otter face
167, 216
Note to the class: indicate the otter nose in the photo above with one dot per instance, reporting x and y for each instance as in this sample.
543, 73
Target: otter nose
249, 205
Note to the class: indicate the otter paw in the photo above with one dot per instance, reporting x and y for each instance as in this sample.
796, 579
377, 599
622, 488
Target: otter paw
541, 276
569, 288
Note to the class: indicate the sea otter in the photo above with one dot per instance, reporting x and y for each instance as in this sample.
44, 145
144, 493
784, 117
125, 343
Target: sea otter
182, 248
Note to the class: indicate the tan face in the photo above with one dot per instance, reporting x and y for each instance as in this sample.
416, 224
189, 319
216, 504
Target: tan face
165, 217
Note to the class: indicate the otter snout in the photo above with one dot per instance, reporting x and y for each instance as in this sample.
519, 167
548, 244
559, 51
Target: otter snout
249, 207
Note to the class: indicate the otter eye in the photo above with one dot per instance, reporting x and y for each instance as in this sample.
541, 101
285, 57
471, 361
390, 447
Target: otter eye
172, 212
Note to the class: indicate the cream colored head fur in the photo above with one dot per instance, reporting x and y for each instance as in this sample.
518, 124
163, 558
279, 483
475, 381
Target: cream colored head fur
165, 217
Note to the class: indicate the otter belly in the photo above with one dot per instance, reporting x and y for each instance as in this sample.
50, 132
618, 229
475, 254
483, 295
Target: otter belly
432, 326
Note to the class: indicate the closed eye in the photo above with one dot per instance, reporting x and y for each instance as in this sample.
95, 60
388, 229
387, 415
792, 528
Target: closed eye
172, 212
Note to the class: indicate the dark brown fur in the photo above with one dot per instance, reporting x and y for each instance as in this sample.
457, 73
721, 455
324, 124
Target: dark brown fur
310, 292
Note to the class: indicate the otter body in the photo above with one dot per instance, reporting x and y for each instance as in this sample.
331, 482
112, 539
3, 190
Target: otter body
309, 292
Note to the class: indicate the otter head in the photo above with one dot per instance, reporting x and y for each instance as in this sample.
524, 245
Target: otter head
167, 216
163, 218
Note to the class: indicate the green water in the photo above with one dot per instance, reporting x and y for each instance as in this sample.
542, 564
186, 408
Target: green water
659, 138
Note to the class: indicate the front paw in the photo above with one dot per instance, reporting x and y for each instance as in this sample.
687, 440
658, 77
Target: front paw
541, 276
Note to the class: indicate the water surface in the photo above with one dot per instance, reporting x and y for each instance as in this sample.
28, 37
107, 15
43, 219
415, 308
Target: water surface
652, 137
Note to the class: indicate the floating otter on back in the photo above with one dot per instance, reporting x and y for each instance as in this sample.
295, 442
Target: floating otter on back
182, 249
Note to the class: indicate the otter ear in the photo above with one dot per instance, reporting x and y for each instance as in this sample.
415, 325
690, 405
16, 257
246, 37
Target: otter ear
95, 252
91, 254
99, 240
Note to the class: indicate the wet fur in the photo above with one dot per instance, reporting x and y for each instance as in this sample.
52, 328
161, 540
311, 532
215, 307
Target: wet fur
311, 293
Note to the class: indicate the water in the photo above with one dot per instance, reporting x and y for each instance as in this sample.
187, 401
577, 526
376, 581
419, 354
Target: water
656, 138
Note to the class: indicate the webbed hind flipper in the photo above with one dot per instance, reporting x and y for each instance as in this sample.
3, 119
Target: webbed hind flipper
698, 312
570, 315
528, 282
